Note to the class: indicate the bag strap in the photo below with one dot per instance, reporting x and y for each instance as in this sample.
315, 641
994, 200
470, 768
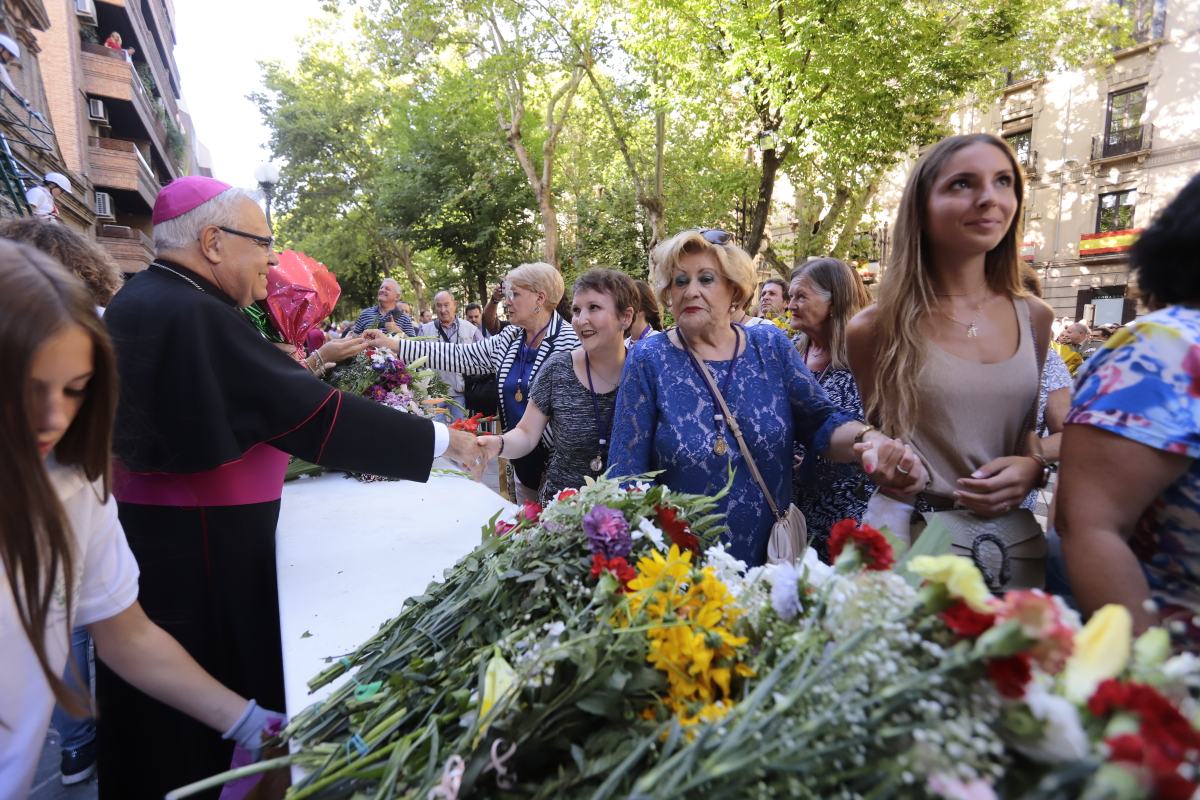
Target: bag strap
731, 421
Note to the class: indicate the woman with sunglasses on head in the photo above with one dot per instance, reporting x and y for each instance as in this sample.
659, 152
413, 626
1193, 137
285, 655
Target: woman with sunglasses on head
575, 392
65, 556
956, 333
670, 418
515, 355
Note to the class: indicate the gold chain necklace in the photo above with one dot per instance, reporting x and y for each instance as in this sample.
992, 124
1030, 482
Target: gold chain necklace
972, 328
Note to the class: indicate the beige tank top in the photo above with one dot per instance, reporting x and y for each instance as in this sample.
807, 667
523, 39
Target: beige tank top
971, 413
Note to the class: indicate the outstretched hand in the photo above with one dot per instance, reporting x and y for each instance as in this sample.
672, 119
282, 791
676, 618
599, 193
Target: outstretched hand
336, 350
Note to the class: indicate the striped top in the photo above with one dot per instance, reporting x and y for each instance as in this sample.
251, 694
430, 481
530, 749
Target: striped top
494, 354
373, 317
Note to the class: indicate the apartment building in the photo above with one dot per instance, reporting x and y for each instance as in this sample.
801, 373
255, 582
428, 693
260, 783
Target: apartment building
29, 147
117, 112
1104, 149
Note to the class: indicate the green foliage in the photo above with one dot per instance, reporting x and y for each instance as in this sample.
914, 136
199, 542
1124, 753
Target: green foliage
419, 147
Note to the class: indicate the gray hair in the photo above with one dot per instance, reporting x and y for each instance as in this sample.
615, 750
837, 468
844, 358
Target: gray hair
180, 232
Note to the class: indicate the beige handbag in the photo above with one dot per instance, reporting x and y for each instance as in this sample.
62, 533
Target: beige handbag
789, 534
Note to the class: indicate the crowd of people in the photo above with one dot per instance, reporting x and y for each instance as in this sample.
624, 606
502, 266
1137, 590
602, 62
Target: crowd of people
150, 426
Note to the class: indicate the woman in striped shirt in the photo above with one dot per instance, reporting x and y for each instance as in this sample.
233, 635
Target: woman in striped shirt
514, 355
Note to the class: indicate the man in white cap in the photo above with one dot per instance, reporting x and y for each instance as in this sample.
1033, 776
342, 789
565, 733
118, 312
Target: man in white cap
209, 411
42, 198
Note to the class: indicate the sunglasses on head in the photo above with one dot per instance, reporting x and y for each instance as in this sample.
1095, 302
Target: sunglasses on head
715, 235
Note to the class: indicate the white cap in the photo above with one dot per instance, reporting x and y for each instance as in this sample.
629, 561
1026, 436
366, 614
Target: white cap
10, 44
60, 180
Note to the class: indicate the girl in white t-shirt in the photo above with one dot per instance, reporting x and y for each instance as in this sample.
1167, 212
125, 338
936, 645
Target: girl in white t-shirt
64, 554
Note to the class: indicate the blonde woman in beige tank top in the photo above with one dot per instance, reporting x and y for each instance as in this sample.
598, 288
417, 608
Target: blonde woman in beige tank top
955, 343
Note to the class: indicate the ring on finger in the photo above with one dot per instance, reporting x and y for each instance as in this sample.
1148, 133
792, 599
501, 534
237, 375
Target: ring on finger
901, 470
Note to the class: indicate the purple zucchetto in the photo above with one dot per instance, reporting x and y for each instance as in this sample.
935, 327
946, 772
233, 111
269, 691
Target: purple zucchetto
183, 194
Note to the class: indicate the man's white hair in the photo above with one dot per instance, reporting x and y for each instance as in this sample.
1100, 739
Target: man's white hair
222, 210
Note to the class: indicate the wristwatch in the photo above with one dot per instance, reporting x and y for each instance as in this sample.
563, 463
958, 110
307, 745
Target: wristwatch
1048, 469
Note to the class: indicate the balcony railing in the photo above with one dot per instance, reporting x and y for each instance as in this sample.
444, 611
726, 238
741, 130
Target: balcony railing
118, 164
108, 74
1122, 142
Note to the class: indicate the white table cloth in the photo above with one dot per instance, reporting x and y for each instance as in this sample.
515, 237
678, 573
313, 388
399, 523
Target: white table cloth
350, 553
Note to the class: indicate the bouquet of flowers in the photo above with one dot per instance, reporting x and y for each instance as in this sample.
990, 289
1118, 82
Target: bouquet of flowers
379, 375
607, 646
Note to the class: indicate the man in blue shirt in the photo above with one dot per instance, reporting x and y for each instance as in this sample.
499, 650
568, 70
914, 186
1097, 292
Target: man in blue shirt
386, 314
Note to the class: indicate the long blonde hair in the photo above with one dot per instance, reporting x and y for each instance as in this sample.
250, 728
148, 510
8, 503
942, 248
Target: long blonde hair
906, 292
843, 288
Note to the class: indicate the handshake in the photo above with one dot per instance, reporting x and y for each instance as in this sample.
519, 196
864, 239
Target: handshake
472, 452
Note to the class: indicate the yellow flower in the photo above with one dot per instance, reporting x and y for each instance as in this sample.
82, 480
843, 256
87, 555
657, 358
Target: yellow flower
694, 646
958, 575
1101, 652
497, 680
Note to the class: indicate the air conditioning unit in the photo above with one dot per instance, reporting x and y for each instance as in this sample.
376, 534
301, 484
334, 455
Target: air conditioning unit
86, 9
96, 110
104, 205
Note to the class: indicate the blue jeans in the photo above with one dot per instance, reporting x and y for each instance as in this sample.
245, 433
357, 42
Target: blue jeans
74, 732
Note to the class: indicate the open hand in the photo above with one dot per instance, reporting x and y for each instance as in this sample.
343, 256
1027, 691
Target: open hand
337, 350
999, 486
891, 464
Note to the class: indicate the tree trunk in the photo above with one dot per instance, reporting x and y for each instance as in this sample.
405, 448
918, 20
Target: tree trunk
404, 254
771, 159
777, 264
853, 216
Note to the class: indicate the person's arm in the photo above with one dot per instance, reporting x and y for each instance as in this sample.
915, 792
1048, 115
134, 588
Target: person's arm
490, 320
148, 658
521, 440
478, 358
1058, 403
862, 352
1106, 484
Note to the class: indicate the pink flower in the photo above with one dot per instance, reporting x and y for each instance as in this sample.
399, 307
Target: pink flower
503, 527
531, 511
1041, 619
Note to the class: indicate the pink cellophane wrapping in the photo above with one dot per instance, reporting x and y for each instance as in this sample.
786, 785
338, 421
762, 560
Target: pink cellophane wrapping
301, 292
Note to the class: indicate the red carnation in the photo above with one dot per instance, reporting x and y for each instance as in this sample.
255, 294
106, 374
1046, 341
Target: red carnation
677, 529
966, 621
1010, 675
1110, 694
1173, 786
873, 547
618, 566
531, 511
565, 493
1127, 747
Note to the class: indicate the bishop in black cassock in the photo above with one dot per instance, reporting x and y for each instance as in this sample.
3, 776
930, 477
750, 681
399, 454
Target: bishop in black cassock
208, 413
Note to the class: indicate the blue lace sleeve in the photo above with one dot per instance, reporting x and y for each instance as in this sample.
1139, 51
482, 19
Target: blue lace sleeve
636, 416
815, 416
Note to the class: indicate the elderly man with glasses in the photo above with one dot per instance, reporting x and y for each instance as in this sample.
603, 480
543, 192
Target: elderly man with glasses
209, 411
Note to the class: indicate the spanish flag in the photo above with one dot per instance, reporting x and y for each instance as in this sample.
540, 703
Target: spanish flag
1097, 244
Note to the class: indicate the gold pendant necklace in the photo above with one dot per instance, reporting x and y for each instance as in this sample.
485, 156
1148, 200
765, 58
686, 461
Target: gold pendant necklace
972, 328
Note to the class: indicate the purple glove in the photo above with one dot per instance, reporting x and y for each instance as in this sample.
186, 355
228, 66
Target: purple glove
249, 730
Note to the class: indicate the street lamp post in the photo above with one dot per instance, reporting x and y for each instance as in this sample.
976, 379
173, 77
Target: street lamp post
267, 175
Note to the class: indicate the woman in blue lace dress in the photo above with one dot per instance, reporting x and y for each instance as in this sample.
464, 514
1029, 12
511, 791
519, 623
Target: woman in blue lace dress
824, 294
667, 419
